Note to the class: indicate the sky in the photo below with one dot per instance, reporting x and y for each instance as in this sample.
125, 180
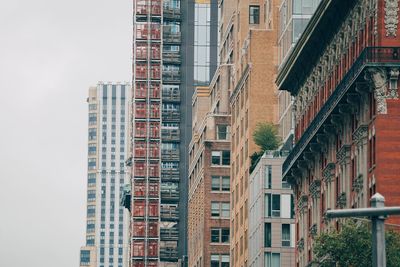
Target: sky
51, 51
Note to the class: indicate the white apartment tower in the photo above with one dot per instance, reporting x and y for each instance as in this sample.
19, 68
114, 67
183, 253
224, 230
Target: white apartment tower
107, 222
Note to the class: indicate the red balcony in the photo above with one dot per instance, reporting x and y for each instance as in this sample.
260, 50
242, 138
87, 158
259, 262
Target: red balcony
138, 229
140, 129
140, 149
155, 130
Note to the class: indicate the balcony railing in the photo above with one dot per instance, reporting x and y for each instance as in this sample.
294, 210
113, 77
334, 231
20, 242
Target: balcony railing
169, 195
171, 13
170, 175
168, 253
171, 115
172, 57
171, 37
170, 154
170, 134
169, 213
371, 56
171, 76
169, 96
169, 234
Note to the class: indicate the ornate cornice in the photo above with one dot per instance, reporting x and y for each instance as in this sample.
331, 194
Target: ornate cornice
391, 17
322, 71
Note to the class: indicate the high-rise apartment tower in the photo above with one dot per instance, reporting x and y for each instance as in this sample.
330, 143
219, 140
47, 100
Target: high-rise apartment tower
164, 46
107, 222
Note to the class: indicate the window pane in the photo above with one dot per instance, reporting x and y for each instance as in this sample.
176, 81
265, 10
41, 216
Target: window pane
276, 260
226, 157
225, 183
215, 235
225, 210
286, 235
214, 209
225, 236
276, 205
215, 183
216, 157
267, 235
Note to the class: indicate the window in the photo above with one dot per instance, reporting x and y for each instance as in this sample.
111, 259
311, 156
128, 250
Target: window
272, 205
285, 235
268, 177
220, 183
219, 260
92, 134
272, 259
254, 14
221, 157
223, 132
220, 209
91, 163
267, 235
85, 257
219, 235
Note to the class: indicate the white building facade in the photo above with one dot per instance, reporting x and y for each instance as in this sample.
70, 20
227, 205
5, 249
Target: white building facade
107, 224
271, 216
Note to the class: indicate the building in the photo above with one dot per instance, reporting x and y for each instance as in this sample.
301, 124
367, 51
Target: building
248, 50
343, 74
293, 18
271, 215
107, 223
169, 59
209, 177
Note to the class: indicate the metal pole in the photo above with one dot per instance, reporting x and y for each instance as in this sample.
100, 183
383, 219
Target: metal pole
378, 233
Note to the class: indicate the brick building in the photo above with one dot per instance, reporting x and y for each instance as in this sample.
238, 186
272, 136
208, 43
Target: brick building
209, 180
248, 52
343, 74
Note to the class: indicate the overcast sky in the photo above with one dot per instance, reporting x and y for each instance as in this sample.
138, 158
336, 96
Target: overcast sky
51, 51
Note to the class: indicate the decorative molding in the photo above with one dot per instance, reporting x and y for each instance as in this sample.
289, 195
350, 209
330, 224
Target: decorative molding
343, 154
300, 244
313, 230
393, 76
342, 200
360, 134
358, 183
315, 189
378, 80
347, 33
391, 17
329, 172
302, 203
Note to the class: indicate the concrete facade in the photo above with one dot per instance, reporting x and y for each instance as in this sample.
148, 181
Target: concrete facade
107, 222
271, 215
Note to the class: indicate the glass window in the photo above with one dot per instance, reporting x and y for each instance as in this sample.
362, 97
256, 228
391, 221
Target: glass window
267, 235
276, 205
225, 210
215, 209
254, 14
223, 132
215, 157
220, 183
268, 177
226, 157
215, 183
272, 259
285, 235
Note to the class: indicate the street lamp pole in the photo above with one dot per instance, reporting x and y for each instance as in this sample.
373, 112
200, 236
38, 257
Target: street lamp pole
377, 213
